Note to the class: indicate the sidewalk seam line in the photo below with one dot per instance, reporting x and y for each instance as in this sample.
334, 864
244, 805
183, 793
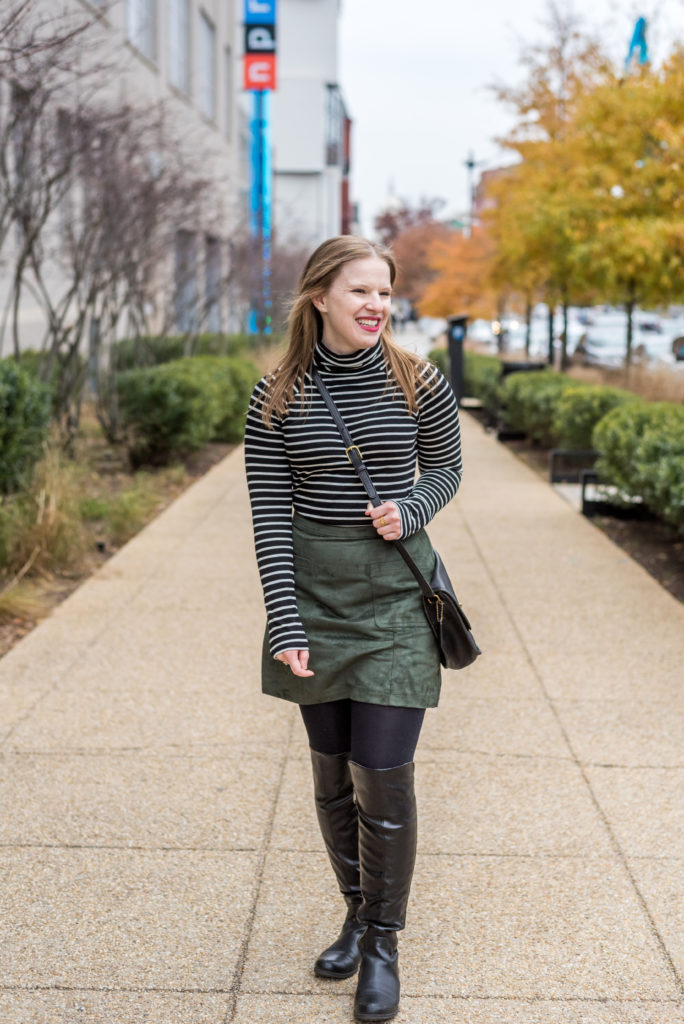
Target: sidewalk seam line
236, 985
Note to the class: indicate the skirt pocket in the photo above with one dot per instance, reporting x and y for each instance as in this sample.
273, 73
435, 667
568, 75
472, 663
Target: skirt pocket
397, 599
332, 591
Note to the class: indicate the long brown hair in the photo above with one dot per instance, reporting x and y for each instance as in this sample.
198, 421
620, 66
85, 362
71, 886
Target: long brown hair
305, 328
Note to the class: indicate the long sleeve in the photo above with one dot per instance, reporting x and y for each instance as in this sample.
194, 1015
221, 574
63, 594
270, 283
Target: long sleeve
269, 479
439, 454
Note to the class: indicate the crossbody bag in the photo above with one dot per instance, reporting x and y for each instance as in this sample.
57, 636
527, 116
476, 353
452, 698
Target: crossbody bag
448, 621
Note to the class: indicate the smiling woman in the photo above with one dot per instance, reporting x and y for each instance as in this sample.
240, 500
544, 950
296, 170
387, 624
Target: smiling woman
356, 307
346, 638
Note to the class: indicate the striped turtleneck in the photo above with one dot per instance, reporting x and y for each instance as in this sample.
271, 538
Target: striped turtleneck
300, 462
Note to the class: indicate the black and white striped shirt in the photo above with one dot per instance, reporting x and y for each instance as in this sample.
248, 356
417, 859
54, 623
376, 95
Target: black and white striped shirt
301, 462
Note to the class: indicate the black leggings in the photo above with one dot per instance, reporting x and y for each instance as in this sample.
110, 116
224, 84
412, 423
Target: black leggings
376, 736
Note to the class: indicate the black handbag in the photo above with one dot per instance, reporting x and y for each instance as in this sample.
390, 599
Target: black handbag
448, 621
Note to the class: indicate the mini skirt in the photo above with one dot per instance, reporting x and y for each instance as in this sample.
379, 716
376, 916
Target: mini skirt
363, 615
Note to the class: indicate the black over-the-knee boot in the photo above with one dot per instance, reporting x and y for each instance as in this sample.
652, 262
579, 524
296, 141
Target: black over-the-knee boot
386, 806
339, 824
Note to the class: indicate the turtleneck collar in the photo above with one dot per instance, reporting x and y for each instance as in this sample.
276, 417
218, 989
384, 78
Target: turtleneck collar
336, 362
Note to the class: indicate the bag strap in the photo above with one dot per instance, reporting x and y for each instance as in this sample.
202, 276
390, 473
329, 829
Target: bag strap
353, 453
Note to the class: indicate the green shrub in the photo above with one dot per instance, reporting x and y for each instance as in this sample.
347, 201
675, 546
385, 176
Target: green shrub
24, 422
529, 402
440, 358
481, 378
641, 451
172, 409
166, 411
580, 408
234, 380
224, 344
132, 353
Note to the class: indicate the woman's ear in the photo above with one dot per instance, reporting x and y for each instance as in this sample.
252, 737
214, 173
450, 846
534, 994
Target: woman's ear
319, 303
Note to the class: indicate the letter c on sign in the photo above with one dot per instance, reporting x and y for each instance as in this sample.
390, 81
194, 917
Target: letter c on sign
260, 72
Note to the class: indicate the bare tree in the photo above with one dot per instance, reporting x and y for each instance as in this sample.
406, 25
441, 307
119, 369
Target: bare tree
288, 257
96, 195
40, 65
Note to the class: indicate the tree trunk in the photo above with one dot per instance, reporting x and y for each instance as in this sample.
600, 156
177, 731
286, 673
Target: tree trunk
564, 338
552, 312
528, 326
629, 309
501, 336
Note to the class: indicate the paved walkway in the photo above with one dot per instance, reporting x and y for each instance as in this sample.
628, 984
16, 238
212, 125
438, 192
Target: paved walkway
159, 857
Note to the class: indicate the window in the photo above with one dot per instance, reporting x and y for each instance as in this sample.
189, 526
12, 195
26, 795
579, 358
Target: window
179, 50
229, 92
212, 284
140, 25
207, 67
186, 297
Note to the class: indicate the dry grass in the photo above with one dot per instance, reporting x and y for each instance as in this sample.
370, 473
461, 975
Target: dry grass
23, 601
656, 384
267, 357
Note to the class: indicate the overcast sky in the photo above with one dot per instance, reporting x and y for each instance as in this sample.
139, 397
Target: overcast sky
415, 75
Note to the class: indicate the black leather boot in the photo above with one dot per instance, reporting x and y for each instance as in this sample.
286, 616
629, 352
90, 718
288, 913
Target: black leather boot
386, 806
339, 824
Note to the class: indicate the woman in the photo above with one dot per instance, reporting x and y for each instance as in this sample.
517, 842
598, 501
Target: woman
346, 638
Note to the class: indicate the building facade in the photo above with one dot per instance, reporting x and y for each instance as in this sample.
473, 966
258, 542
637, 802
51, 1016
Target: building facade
311, 127
182, 56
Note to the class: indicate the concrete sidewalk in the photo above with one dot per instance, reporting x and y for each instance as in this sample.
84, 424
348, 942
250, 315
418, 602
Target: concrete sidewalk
160, 861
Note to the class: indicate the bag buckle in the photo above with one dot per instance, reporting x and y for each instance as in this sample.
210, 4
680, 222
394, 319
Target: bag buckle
439, 607
353, 448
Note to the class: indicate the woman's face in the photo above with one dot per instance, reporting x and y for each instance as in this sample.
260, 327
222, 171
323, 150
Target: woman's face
356, 306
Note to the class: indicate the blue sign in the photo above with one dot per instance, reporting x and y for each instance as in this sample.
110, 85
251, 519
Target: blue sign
260, 12
638, 48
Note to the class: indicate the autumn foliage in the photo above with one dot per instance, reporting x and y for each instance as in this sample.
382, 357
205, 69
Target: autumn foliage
591, 208
461, 269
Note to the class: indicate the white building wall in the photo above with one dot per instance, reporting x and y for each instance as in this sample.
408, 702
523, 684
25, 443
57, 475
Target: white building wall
216, 137
307, 188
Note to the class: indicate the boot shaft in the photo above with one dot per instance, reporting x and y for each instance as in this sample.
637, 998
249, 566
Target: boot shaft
338, 820
388, 825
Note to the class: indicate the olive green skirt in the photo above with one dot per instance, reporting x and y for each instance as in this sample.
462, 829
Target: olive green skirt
362, 612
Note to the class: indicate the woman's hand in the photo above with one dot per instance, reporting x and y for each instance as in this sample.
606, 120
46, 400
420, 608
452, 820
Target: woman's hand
297, 660
386, 520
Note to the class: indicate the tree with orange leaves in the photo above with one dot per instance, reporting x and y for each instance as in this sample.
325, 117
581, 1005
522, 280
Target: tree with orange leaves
462, 277
412, 250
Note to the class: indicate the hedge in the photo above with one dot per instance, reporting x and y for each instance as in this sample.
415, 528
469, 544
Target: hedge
482, 378
234, 380
440, 357
530, 399
579, 409
131, 353
172, 409
641, 451
24, 424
